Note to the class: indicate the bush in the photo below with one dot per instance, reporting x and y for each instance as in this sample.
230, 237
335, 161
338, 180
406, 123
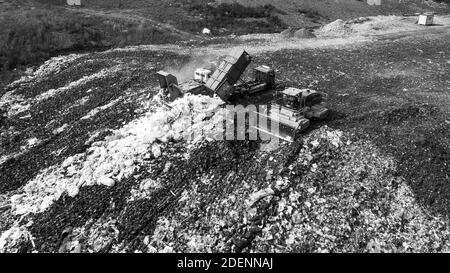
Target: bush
234, 10
227, 16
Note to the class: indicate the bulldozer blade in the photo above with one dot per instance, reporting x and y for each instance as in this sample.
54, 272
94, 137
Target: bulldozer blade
286, 130
282, 136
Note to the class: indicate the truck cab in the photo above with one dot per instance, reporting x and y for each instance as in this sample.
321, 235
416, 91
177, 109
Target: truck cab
202, 75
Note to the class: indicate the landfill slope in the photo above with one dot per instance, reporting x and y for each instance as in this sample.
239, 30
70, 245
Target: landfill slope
91, 159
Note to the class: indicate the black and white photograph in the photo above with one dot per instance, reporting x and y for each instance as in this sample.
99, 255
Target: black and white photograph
242, 128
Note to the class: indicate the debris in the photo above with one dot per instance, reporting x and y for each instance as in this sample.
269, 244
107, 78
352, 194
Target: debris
240, 243
13, 238
3, 116
167, 167
156, 150
287, 33
73, 190
255, 197
281, 184
60, 129
304, 34
32, 142
109, 182
329, 197
206, 31
293, 112
145, 189
359, 20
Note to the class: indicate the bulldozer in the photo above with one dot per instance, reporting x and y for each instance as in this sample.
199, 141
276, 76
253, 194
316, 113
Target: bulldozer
292, 113
291, 108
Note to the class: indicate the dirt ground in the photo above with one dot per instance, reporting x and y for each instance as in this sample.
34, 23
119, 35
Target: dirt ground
373, 177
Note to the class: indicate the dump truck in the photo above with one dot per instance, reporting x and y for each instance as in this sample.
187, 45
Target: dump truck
228, 73
293, 110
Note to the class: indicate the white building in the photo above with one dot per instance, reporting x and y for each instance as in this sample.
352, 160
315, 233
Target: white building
426, 19
74, 2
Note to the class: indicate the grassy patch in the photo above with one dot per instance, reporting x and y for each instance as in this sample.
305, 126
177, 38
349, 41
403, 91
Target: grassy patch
31, 35
238, 19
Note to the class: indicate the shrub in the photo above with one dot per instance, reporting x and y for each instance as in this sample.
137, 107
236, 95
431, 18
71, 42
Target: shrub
28, 36
227, 16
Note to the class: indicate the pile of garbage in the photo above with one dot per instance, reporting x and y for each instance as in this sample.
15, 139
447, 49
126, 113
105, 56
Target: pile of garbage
82, 81
12, 239
326, 194
358, 20
119, 155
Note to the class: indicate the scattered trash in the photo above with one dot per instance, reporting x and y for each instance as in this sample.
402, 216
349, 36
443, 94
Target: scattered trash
359, 20
60, 129
73, 190
167, 167
109, 182
255, 197
287, 33
304, 34
118, 155
206, 31
3, 116
145, 189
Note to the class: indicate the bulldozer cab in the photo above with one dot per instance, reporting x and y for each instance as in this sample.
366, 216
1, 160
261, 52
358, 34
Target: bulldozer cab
292, 98
298, 99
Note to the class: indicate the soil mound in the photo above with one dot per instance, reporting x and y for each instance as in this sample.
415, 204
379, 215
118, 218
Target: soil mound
297, 33
336, 28
304, 33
